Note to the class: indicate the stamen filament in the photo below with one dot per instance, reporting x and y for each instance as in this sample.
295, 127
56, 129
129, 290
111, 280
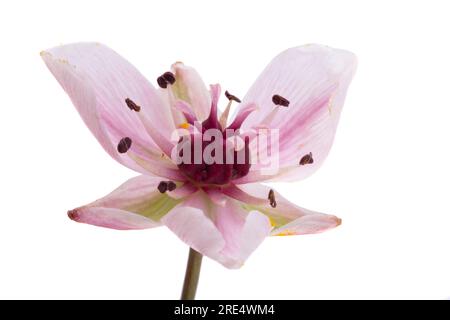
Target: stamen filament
224, 117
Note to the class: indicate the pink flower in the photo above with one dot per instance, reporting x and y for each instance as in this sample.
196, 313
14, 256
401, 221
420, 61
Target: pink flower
218, 209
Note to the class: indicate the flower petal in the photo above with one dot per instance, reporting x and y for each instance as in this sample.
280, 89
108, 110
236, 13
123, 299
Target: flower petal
314, 79
311, 222
243, 231
286, 218
216, 196
226, 233
111, 218
190, 87
136, 204
99, 81
184, 190
186, 110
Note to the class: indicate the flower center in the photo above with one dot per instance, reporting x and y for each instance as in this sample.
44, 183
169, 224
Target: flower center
211, 154
213, 162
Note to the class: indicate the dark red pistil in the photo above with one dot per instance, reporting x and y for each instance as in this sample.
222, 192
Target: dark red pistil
214, 173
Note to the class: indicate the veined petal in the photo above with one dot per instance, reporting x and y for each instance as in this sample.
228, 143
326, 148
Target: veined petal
190, 87
111, 218
168, 99
314, 79
186, 110
286, 217
99, 81
216, 196
136, 204
226, 233
309, 223
184, 190
243, 231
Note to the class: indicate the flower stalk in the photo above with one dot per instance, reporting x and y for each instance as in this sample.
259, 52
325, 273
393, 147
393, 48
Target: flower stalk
192, 275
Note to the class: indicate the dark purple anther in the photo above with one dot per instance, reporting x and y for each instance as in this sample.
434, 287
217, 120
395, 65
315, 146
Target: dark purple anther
162, 82
171, 185
169, 77
232, 97
132, 105
124, 145
306, 159
271, 197
280, 101
162, 186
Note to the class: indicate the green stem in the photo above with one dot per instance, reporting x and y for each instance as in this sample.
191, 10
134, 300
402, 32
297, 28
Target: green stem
193, 267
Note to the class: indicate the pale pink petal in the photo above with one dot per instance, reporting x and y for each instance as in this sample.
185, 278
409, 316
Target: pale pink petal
253, 233
163, 141
190, 87
168, 99
314, 79
311, 222
98, 81
237, 193
216, 196
286, 217
136, 204
192, 226
186, 110
155, 165
227, 234
111, 218
242, 230
184, 190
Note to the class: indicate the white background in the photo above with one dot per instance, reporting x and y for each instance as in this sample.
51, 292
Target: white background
387, 175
